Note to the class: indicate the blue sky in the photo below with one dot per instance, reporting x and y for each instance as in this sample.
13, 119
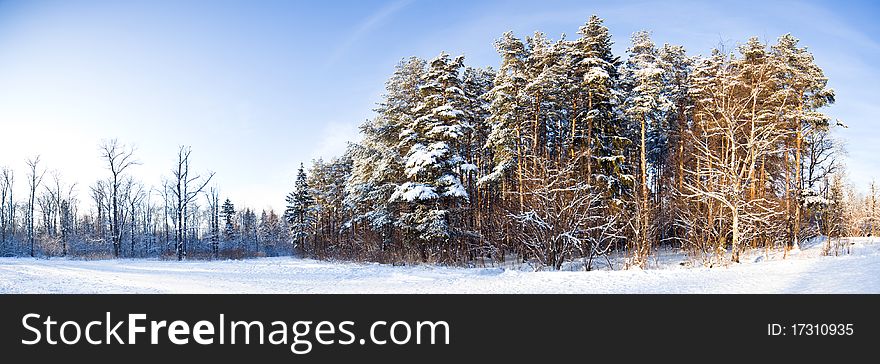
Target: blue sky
256, 87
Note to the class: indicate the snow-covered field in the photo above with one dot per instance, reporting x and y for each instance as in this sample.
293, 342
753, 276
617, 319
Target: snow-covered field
804, 271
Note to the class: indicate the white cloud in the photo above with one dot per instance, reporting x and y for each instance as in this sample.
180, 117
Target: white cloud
334, 139
365, 27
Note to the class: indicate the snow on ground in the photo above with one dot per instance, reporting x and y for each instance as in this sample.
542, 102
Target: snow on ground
803, 271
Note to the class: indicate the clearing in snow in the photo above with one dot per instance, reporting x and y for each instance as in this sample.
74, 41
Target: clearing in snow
804, 271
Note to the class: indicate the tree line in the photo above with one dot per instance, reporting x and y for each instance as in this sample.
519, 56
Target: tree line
567, 152
178, 219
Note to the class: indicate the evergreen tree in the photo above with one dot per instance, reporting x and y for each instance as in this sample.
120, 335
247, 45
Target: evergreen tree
271, 232
66, 226
644, 104
377, 161
805, 85
836, 219
299, 207
669, 151
476, 83
228, 213
331, 215
594, 128
506, 109
249, 233
480, 219
433, 163
548, 114
263, 230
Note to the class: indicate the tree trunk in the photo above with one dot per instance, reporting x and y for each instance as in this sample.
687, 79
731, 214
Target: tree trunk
114, 224
573, 127
589, 142
734, 241
644, 249
519, 165
798, 186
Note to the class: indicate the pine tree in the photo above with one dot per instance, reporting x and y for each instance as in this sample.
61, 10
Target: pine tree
249, 233
377, 161
433, 163
214, 221
643, 105
476, 83
547, 115
263, 230
836, 219
670, 152
330, 216
805, 84
271, 232
594, 79
506, 109
228, 213
609, 169
299, 208
479, 220
66, 226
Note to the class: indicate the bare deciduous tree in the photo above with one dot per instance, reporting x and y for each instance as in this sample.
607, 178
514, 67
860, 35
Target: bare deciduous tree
561, 216
119, 158
7, 207
34, 180
185, 188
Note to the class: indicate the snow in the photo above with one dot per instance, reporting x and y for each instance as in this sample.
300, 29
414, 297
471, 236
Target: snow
447, 111
806, 271
648, 72
454, 90
468, 167
453, 186
814, 200
596, 74
414, 192
445, 131
420, 157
